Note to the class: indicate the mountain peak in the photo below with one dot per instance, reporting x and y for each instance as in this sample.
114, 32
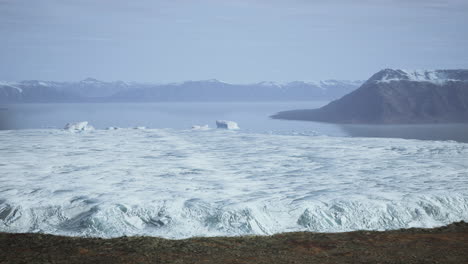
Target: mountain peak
90, 80
269, 83
199, 81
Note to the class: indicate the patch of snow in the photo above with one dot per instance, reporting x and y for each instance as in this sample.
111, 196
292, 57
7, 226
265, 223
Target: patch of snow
432, 76
329, 82
213, 80
12, 85
270, 84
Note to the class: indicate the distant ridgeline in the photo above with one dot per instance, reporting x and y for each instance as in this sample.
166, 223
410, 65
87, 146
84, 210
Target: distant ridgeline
92, 90
398, 96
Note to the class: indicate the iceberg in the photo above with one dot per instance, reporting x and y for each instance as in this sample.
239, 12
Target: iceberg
79, 126
226, 124
199, 127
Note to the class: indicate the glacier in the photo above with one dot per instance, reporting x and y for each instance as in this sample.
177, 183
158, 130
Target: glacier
184, 183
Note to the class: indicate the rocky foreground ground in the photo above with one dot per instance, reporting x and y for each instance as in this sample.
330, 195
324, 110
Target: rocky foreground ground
447, 244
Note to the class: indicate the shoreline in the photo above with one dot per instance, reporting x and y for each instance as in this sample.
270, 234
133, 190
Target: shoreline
445, 244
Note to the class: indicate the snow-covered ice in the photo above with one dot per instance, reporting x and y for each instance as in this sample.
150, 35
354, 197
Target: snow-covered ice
226, 124
184, 183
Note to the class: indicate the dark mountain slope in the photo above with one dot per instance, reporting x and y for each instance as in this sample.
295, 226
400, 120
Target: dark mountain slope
396, 96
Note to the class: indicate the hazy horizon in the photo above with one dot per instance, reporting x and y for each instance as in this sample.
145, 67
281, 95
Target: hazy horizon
232, 41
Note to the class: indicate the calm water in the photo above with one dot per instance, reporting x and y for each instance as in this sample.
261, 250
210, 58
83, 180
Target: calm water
251, 116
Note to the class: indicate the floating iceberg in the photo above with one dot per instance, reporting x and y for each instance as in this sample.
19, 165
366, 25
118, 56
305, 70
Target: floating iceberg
198, 127
79, 126
226, 124
112, 128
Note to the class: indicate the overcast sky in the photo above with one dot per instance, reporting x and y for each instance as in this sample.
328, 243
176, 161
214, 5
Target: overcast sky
238, 41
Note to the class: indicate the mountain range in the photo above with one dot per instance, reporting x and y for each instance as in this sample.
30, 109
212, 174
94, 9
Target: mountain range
92, 90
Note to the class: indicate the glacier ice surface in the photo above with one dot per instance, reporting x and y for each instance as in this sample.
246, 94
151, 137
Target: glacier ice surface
174, 184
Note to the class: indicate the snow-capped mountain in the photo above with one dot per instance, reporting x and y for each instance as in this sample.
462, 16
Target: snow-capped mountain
398, 96
92, 90
34, 91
